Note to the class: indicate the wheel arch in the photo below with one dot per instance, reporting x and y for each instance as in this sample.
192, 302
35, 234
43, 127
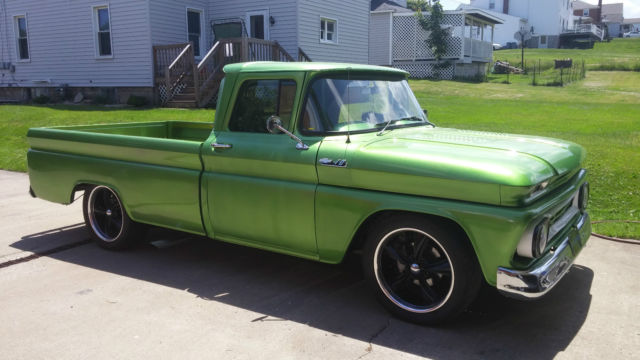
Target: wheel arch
359, 237
83, 185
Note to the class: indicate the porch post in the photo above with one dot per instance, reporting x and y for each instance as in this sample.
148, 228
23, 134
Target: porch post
245, 49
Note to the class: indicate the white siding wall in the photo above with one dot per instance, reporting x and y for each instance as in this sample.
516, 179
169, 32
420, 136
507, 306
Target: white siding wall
543, 16
169, 21
503, 33
546, 16
484, 4
380, 38
62, 46
353, 29
282, 11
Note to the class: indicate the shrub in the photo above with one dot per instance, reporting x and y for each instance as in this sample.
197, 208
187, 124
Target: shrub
101, 100
137, 101
41, 99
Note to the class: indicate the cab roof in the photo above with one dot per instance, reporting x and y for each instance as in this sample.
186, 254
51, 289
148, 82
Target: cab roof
272, 66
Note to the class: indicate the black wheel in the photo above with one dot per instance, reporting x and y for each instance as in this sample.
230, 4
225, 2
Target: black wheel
421, 271
107, 221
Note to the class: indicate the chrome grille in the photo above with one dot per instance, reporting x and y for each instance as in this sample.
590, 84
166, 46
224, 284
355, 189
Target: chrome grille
563, 216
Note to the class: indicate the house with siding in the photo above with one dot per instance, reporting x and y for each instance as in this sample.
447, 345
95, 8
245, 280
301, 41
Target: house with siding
397, 39
628, 25
503, 33
609, 15
166, 50
547, 19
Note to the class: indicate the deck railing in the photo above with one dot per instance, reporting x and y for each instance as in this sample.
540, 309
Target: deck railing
302, 56
586, 29
478, 49
163, 56
178, 73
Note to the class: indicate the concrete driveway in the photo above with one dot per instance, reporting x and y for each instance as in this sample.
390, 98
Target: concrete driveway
63, 297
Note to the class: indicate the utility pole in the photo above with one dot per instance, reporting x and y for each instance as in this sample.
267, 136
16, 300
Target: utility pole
522, 35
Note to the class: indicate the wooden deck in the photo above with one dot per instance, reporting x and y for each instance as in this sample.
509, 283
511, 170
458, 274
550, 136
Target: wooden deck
181, 81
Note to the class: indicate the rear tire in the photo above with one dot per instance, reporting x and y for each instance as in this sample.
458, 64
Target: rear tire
107, 221
421, 271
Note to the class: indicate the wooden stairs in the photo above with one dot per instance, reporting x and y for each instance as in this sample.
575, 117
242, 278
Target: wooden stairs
181, 82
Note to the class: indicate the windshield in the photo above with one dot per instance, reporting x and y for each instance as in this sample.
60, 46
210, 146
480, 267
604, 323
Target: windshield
337, 105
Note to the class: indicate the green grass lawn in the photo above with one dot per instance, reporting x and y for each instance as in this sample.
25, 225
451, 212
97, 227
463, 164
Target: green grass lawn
15, 120
619, 54
602, 113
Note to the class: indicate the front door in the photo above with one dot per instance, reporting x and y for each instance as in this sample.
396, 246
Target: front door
543, 42
258, 24
260, 188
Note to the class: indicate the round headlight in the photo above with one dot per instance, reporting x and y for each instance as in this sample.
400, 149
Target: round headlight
540, 237
583, 197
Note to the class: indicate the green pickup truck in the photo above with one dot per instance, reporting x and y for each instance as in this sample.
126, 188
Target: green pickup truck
317, 160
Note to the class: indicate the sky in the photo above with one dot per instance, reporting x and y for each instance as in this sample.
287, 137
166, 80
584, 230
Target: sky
631, 7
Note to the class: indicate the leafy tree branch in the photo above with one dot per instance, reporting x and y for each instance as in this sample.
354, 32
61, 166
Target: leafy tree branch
432, 23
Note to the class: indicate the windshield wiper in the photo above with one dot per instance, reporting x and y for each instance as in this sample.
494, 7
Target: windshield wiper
402, 119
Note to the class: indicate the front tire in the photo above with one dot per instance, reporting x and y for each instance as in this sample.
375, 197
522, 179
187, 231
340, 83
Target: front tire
421, 271
107, 221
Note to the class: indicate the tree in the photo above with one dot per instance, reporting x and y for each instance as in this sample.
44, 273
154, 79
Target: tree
437, 35
419, 5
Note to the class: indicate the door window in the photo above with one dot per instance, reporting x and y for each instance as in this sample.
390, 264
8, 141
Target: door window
194, 30
257, 23
257, 26
257, 100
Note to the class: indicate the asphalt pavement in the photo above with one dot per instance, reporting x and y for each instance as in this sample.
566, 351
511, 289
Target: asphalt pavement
191, 298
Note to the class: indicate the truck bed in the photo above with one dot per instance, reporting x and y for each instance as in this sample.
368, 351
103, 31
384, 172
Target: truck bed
125, 157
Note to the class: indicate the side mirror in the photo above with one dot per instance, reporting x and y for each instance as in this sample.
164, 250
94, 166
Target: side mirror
426, 112
274, 124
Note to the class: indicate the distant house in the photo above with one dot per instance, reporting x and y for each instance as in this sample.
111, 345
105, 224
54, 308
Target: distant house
547, 18
629, 25
503, 33
397, 39
123, 47
551, 22
611, 15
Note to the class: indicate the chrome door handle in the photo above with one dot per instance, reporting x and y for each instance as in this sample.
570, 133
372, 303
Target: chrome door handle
220, 146
330, 162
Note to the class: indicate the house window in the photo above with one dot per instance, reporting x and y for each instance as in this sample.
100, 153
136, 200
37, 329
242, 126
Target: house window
585, 12
194, 29
328, 30
543, 40
492, 4
102, 24
22, 38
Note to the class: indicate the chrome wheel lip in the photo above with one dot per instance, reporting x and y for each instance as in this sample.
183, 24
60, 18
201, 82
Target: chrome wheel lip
92, 218
399, 302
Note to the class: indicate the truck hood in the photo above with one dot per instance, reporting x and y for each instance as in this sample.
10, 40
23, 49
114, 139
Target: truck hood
459, 164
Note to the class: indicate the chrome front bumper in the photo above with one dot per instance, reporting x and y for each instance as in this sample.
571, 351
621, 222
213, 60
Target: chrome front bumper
545, 273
